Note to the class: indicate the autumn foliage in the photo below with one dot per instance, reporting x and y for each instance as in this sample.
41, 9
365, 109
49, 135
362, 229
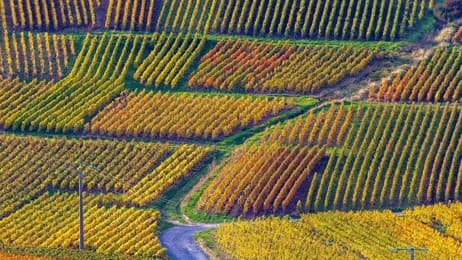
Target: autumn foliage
183, 116
435, 79
336, 235
49, 221
36, 56
51, 14
262, 179
277, 67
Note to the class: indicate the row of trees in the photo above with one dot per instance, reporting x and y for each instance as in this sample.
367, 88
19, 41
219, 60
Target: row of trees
337, 235
96, 78
30, 166
170, 59
277, 67
262, 179
52, 15
435, 79
185, 116
50, 221
40, 56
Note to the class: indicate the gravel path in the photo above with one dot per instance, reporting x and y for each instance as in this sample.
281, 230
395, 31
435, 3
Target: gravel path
180, 244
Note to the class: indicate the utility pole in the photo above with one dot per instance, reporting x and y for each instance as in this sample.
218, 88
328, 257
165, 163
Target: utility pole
75, 167
411, 251
81, 244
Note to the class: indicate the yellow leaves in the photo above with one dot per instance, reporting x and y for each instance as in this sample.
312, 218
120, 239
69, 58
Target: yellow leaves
184, 116
262, 180
169, 60
41, 51
434, 79
108, 229
43, 14
271, 68
337, 235
175, 167
36, 165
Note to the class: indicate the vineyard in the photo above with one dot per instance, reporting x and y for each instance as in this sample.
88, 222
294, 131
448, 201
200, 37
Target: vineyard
332, 19
327, 127
182, 116
177, 166
344, 235
277, 67
447, 217
436, 79
115, 229
169, 60
36, 56
138, 171
262, 179
31, 166
230, 129
96, 78
415, 160
51, 14
130, 15
13, 94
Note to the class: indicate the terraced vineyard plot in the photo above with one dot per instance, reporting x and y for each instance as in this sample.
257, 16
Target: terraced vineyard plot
262, 103
131, 14
168, 173
395, 156
50, 221
339, 236
29, 166
266, 179
51, 14
96, 78
169, 60
35, 56
327, 127
14, 93
435, 79
440, 216
384, 156
332, 19
185, 16
183, 116
277, 67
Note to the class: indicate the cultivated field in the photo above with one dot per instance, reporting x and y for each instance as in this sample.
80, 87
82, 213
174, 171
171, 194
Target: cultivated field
282, 129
